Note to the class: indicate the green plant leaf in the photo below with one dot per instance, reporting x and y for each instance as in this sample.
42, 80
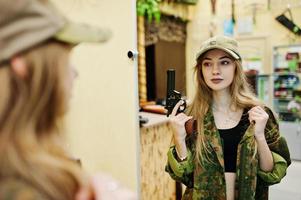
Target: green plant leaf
157, 16
149, 8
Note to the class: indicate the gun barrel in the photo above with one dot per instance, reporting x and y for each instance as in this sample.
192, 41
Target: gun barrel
170, 81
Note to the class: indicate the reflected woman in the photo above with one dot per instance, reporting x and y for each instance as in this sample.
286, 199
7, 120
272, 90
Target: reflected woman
236, 151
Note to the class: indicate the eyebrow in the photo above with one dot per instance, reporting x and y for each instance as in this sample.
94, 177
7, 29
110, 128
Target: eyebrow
224, 57
206, 58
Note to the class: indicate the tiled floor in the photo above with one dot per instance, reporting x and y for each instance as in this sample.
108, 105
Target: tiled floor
290, 186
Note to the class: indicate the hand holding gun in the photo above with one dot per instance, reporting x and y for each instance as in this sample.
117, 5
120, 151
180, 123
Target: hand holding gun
173, 97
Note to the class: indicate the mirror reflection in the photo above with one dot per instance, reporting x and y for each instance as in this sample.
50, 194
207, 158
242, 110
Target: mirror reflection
236, 68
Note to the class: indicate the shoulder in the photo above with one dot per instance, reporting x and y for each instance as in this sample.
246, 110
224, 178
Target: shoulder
17, 189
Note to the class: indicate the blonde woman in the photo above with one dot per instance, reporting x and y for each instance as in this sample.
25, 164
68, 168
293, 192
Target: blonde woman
36, 81
236, 151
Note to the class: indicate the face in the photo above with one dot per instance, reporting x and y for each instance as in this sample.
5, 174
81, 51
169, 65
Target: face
218, 69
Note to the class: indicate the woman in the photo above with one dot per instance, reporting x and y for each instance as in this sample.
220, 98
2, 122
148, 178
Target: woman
36, 80
35, 90
236, 150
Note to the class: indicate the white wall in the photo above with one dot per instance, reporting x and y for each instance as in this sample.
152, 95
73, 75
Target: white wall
102, 125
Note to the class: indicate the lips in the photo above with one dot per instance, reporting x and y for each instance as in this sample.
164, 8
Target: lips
216, 80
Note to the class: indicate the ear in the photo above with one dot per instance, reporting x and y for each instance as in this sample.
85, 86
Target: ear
19, 66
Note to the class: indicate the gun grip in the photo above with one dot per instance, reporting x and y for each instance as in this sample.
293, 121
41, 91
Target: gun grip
190, 126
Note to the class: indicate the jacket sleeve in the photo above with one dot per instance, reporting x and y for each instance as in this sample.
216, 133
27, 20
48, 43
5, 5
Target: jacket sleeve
280, 152
180, 171
278, 172
276, 142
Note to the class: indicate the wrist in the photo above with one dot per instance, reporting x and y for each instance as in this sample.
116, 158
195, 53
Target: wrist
181, 156
181, 151
260, 137
180, 141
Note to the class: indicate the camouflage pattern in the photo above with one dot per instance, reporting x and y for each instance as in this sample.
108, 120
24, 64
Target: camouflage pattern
207, 181
16, 189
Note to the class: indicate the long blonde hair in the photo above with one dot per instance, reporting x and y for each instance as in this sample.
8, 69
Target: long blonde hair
30, 110
242, 97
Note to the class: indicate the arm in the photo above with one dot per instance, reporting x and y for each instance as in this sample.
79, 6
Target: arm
180, 161
265, 155
279, 149
260, 117
275, 141
278, 172
181, 171
181, 150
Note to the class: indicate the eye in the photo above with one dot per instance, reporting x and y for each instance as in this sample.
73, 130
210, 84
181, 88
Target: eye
206, 64
225, 62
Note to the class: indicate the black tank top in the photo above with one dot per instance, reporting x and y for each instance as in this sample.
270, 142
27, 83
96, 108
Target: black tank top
231, 138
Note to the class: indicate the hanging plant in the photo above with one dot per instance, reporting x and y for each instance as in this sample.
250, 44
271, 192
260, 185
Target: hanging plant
149, 8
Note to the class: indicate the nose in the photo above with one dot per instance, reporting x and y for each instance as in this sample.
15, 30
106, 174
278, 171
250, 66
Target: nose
215, 69
75, 73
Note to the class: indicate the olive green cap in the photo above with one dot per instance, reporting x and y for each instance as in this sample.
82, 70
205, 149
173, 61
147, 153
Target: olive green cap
227, 44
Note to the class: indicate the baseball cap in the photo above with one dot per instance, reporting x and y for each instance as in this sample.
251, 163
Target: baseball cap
26, 23
221, 42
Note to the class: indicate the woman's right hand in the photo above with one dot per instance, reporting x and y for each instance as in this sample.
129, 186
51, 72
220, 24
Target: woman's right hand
178, 123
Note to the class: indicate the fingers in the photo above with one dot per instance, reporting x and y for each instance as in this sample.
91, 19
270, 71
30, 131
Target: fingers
176, 108
254, 114
83, 194
253, 119
257, 109
188, 118
183, 120
257, 113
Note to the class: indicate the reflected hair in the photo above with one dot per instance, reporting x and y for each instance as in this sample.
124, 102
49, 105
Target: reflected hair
31, 110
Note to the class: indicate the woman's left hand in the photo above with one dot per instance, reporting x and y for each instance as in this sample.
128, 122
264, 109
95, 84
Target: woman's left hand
258, 115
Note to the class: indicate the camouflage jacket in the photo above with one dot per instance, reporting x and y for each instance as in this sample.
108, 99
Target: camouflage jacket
207, 181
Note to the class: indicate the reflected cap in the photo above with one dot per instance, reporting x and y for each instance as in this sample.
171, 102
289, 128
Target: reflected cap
227, 44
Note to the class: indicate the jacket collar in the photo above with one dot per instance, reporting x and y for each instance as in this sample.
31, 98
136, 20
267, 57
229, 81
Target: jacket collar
211, 132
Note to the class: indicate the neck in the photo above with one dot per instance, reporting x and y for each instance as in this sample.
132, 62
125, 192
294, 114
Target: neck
221, 100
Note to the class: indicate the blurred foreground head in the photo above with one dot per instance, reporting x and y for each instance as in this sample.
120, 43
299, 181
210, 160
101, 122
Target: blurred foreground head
35, 42
26, 23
